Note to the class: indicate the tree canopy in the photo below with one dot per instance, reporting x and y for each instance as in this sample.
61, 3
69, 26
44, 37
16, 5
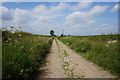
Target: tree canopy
52, 32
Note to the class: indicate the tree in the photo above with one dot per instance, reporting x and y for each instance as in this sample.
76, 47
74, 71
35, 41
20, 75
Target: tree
68, 34
52, 32
61, 35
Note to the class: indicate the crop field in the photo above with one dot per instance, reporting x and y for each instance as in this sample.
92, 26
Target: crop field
102, 50
22, 54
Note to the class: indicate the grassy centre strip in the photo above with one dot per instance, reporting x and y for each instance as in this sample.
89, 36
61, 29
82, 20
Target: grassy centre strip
66, 65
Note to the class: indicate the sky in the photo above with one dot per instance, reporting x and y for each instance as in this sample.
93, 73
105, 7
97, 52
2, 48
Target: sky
75, 18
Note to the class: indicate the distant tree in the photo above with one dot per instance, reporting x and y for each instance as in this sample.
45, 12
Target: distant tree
68, 34
61, 35
52, 32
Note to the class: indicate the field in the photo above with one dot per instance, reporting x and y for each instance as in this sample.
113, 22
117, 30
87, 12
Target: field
23, 54
102, 50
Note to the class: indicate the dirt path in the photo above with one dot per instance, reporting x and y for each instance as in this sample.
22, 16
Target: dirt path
64, 63
53, 66
80, 67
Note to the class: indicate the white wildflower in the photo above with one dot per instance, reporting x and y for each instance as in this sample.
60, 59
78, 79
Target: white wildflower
13, 32
21, 70
106, 45
20, 34
6, 41
3, 29
16, 41
114, 41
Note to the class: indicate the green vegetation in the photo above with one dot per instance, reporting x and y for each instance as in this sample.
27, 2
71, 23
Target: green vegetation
65, 53
102, 50
65, 64
23, 54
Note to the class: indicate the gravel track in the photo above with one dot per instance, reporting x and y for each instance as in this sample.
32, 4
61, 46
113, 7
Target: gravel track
62, 62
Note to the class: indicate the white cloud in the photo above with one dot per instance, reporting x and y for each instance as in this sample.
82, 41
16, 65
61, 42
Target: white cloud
106, 26
1, 2
40, 13
7, 14
53, 11
77, 17
115, 8
81, 5
97, 10
22, 16
40, 10
35, 20
92, 21
40, 19
85, 17
59, 8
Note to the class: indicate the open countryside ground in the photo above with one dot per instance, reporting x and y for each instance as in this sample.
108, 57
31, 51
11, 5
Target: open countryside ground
59, 40
24, 57
62, 62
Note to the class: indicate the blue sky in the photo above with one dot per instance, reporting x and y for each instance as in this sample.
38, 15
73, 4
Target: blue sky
75, 18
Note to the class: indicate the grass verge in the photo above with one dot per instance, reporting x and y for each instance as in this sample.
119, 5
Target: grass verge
23, 54
102, 50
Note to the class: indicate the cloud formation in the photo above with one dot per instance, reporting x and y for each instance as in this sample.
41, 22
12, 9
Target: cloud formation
7, 14
42, 18
85, 17
81, 5
115, 8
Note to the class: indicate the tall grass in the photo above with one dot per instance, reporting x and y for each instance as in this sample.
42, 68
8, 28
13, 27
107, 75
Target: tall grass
23, 54
102, 50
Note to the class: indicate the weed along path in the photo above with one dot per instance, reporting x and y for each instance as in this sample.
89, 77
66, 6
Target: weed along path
62, 62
